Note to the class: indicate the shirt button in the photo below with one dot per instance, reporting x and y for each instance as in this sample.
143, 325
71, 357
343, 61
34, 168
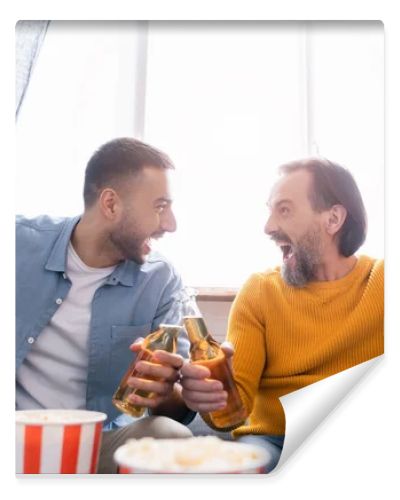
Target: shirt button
59, 301
31, 340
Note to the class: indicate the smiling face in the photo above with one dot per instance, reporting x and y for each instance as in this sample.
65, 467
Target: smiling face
145, 214
296, 228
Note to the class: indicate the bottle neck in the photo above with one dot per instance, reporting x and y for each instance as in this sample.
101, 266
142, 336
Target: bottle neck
165, 338
189, 307
202, 345
196, 328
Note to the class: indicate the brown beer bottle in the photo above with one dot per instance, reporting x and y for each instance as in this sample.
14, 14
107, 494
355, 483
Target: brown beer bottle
206, 351
165, 339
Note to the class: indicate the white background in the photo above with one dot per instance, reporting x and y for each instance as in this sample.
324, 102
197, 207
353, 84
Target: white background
284, 90
354, 453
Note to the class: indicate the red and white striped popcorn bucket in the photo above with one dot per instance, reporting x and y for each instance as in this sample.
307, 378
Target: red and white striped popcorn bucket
58, 441
197, 455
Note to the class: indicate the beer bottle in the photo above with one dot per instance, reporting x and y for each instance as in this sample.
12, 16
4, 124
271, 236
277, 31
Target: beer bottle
165, 339
206, 351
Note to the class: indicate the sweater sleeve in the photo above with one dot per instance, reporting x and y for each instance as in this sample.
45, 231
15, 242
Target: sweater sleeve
246, 331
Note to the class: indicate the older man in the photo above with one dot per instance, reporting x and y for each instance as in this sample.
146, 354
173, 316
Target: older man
317, 314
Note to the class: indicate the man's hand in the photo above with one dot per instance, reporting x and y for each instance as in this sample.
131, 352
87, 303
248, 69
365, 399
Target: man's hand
200, 392
162, 369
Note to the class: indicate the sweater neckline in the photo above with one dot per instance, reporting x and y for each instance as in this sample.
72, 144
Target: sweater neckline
358, 269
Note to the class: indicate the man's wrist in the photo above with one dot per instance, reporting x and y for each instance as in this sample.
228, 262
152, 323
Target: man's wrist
174, 407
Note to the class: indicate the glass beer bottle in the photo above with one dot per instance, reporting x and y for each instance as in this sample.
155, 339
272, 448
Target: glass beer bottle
165, 339
206, 351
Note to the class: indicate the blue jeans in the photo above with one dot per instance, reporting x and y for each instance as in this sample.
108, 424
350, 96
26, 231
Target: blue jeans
272, 444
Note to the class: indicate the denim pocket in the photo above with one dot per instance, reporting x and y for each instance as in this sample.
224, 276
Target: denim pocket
121, 338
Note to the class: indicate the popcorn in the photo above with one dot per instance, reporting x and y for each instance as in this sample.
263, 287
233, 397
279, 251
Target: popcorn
203, 454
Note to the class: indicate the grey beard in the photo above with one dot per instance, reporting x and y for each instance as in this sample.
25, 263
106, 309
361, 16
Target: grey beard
305, 268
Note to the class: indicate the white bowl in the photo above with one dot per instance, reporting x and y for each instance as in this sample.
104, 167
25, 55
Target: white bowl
197, 455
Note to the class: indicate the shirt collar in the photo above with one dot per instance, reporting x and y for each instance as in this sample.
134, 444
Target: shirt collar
58, 255
124, 273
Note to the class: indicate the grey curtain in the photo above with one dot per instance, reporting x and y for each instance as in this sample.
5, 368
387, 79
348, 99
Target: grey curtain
29, 36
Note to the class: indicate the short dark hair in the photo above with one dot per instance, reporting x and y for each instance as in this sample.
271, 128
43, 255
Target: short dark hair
117, 159
334, 185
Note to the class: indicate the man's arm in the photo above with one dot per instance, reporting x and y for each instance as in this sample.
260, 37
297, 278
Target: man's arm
246, 335
168, 401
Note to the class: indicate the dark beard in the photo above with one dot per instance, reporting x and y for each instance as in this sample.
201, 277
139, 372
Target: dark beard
128, 245
307, 255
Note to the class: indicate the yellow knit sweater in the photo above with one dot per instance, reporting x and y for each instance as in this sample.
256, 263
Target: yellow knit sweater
286, 338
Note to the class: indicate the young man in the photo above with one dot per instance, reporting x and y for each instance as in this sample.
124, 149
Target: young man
319, 313
88, 287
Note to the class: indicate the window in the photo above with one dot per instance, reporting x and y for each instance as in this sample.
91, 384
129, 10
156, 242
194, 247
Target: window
228, 102
82, 93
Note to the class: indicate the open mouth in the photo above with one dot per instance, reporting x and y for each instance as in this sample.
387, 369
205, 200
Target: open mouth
287, 251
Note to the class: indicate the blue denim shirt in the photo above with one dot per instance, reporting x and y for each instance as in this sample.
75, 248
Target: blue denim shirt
134, 300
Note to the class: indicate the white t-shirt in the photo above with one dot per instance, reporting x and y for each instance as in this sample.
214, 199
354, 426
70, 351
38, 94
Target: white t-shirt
54, 373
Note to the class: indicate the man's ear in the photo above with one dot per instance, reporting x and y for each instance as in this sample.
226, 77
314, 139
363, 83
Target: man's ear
109, 203
336, 216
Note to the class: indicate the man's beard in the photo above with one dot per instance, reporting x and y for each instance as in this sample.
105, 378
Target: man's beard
128, 242
307, 255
